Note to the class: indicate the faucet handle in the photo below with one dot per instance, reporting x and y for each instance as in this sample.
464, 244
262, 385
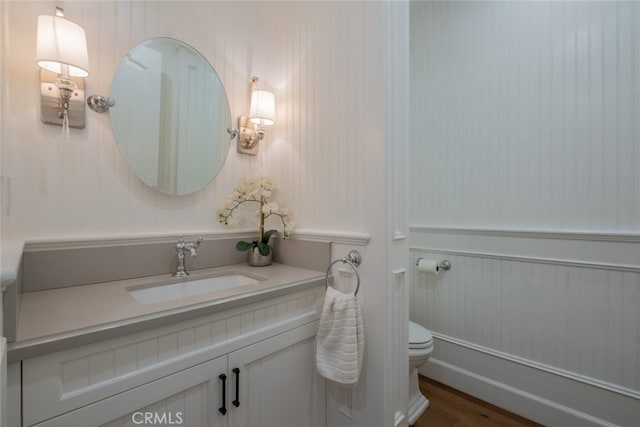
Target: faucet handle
180, 243
190, 244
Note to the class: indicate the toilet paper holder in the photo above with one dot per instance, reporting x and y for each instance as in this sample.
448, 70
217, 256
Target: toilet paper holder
442, 265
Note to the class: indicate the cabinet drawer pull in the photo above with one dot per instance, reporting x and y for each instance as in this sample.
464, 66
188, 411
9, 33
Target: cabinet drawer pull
236, 402
223, 408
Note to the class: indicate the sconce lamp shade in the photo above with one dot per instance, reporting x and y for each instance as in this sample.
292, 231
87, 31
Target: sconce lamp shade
263, 110
61, 42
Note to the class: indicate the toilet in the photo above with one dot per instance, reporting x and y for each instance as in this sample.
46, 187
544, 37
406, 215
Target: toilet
420, 348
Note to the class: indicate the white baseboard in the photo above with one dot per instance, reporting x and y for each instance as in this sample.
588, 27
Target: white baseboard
401, 420
539, 395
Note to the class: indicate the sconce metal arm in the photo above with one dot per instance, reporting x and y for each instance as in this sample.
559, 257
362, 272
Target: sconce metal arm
100, 104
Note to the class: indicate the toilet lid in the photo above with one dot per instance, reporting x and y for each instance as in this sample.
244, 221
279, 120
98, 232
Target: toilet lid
418, 335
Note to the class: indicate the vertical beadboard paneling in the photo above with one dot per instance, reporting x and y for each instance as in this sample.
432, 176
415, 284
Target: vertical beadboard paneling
579, 320
309, 53
524, 115
524, 118
3, 97
324, 62
125, 360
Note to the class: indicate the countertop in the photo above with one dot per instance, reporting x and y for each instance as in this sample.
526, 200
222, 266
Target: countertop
11, 254
52, 320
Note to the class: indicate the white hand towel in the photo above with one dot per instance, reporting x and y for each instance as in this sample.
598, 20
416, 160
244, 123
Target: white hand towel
340, 339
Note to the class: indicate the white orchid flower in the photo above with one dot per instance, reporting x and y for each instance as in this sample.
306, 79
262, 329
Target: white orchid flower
266, 183
255, 190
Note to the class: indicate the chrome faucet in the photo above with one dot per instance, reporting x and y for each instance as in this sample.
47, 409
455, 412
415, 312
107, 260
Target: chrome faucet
181, 247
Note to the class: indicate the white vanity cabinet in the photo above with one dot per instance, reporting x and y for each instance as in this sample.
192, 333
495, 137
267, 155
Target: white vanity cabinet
250, 366
278, 384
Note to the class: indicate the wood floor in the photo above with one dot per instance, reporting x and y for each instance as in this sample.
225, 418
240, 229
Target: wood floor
449, 407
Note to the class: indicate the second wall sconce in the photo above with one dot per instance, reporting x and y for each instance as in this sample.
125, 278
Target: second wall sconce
262, 113
61, 53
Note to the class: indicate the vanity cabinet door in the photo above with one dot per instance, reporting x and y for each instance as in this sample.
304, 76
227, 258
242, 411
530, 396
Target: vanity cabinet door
189, 398
277, 383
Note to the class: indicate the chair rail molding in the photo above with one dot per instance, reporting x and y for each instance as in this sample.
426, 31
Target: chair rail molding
615, 251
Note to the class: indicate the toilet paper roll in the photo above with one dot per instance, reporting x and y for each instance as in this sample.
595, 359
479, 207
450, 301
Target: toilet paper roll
428, 266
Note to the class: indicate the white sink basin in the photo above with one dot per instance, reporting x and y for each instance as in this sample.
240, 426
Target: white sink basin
188, 288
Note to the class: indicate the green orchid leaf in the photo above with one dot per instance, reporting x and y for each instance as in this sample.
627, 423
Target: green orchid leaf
243, 246
267, 235
264, 249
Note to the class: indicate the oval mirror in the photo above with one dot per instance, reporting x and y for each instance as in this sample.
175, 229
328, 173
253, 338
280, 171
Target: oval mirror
171, 116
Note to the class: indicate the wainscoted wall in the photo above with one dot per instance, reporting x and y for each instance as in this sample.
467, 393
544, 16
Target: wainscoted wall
514, 300
523, 167
3, 21
314, 58
328, 65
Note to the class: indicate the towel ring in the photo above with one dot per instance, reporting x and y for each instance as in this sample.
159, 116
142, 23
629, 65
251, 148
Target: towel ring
353, 259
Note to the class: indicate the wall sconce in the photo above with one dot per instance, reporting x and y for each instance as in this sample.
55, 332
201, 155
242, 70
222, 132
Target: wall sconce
61, 52
261, 113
